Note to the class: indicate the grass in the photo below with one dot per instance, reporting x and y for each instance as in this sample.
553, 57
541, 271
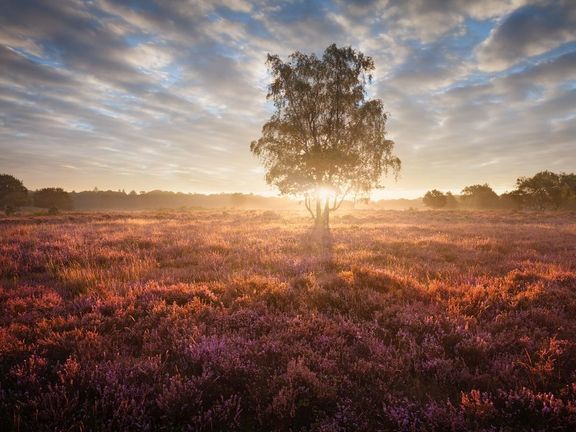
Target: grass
203, 320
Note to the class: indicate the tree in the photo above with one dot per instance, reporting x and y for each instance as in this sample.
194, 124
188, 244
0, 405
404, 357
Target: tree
480, 196
50, 198
569, 182
435, 199
325, 139
511, 200
12, 193
451, 202
568, 190
541, 191
544, 190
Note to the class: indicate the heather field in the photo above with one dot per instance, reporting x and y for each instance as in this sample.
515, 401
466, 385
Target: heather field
248, 320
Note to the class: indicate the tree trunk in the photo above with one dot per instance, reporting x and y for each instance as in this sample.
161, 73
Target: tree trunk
326, 215
322, 219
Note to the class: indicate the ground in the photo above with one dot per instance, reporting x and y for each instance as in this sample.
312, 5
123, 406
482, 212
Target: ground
214, 320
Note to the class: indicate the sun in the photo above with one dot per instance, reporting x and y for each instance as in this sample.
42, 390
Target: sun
325, 193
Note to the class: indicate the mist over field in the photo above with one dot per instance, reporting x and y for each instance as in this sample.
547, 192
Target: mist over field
292, 216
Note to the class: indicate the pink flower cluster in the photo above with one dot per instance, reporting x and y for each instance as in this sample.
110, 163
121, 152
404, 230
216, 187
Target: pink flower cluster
203, 321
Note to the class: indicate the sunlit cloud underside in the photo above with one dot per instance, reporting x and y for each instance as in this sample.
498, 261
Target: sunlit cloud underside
168, 95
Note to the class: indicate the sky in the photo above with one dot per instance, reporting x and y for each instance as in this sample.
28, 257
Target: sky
165, 94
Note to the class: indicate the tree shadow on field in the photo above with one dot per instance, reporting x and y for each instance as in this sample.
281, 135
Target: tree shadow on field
317, 245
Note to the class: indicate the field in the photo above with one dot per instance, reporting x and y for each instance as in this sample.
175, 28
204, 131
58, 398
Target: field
211, 320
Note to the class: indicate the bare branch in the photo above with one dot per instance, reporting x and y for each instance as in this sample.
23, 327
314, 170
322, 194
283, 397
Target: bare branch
336, 207
307, 204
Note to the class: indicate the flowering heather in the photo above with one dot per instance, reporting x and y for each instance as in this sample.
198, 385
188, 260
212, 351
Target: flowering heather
208, 321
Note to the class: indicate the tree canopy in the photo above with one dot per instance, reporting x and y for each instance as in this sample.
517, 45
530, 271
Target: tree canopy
56, 198
480, 196
326, 139
547, 190
12, 192
435, 199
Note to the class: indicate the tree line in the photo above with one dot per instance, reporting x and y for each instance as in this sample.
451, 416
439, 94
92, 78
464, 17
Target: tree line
545, 190
14, 195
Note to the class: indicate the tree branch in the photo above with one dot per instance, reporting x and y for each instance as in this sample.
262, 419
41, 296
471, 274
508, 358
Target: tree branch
307, 204
336, 207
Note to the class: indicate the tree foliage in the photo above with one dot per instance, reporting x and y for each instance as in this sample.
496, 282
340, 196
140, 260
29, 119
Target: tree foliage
511, 200
479, 196
55, 198
547, 190
12, 193
435, 199
326, 139
451, 201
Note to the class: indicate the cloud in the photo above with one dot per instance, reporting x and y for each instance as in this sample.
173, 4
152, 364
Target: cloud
521, 86
427, 20
19, 70
528, 31
168, 94
494, 130
428, 68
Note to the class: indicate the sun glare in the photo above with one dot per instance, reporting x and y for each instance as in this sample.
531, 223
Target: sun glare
325, 194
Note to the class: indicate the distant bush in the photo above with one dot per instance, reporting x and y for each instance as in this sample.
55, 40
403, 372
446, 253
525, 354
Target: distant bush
511, 200
435, 199
479, 196
543, 191
547, 190
53, 198
451, 201
12, 193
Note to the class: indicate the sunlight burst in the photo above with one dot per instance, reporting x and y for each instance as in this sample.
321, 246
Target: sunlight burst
325, 193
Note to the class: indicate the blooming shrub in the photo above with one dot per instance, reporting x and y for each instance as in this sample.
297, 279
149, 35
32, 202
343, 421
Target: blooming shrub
410, 321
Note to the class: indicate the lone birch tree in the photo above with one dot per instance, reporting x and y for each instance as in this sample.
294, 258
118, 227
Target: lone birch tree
326, 140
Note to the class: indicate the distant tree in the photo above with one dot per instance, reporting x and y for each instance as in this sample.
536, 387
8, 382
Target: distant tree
435, 199
511, 200
568, 190
544, 190
12, 193
479, 196
238, 199
451, 201
55, 198
326, 139
569, 181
